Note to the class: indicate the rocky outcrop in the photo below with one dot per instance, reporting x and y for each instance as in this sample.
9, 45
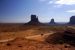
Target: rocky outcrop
72, 20
34, 20
52, 21
67, 36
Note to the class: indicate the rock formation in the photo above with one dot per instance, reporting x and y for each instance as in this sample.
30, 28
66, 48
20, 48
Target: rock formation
34, 20
52, 21
72, 20
67, 36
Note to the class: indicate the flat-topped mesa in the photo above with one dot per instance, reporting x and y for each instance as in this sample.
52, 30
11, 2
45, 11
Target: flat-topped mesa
34, 20
72, 20
52, 21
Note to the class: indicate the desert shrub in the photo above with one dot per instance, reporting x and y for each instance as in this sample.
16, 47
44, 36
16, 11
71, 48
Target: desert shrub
19, 46
8, 44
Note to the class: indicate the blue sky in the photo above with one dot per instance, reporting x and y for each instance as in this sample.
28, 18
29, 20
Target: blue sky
20, 10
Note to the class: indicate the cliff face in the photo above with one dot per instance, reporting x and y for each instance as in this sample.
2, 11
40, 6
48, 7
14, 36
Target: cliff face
72, 20
52, 21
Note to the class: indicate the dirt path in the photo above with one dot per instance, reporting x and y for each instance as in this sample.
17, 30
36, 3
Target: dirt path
6, 40
71, 27
40, 37
8, 36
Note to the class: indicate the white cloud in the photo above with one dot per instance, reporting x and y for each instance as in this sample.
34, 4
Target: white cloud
59, 3
71, 11
65, 2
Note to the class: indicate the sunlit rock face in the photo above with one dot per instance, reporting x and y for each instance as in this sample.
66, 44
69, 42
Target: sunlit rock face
72, 20
34, 20
52, 21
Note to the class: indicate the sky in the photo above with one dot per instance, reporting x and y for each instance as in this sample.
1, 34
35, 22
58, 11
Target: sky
19, 11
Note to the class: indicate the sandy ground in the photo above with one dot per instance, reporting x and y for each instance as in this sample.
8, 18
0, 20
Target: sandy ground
39, 37
24, 44
29, 39
10, 36
35, 42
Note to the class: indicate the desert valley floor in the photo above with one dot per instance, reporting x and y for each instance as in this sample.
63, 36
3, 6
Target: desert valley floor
24, 37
